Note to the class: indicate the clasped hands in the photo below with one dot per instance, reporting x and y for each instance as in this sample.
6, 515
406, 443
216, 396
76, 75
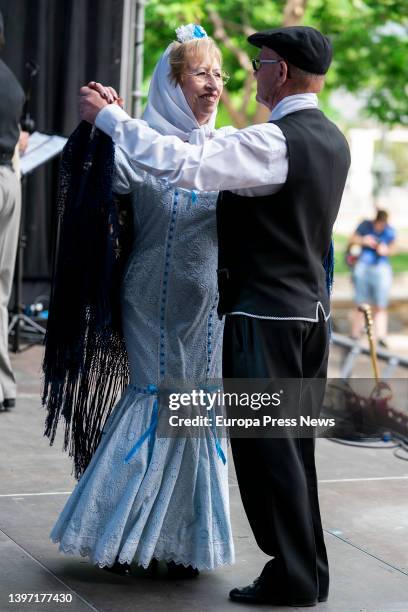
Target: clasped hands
95, 96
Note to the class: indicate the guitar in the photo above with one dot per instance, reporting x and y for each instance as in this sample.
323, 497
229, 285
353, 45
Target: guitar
366, 310
361, 413
386, 415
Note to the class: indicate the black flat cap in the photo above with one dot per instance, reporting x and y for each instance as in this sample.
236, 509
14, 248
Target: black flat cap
302, 46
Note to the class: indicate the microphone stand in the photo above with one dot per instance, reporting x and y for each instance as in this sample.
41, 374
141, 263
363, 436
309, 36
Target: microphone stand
27, 122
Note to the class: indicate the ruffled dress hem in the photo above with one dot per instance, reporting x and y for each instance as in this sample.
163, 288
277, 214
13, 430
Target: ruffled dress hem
170, 502
184, 560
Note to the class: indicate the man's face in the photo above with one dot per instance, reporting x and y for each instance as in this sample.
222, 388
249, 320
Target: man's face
268, 78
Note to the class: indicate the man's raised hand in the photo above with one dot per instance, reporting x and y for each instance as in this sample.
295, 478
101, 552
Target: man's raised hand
90, 103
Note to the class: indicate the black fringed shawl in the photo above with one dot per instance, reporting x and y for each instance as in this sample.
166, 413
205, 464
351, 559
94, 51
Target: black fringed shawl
85, 363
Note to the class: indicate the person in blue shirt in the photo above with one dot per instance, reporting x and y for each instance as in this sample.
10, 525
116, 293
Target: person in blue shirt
372, 276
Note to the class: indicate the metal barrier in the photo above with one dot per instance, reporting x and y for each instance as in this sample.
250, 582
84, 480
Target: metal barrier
354, 350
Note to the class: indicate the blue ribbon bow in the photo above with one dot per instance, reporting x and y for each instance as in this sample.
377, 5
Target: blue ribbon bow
151, 431
218, 446
220, 452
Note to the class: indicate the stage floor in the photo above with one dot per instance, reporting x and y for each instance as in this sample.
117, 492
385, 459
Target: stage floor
364, 495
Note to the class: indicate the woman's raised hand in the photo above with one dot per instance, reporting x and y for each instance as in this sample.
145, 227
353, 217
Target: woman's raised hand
106, 92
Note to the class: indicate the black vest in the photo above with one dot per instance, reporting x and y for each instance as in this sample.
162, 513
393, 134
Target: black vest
272, 248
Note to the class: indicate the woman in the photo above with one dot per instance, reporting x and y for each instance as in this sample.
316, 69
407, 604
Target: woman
169, 501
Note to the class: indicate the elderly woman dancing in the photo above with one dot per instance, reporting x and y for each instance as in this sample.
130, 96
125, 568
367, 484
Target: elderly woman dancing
169, 499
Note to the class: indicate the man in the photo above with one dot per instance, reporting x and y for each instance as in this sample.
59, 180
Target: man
281, 185
11, 106
372, 275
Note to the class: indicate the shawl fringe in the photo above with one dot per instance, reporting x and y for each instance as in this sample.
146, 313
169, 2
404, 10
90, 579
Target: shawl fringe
85, 364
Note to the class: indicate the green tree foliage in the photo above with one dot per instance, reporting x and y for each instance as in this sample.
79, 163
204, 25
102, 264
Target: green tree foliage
369, 38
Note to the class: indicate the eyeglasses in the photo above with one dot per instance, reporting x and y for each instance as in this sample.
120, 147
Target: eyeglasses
257, 63
203, 77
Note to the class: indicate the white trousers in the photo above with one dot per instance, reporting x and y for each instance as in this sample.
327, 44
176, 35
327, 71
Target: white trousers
10, 212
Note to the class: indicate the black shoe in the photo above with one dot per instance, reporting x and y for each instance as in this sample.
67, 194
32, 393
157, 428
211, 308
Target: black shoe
258, 593
177, 571
9, 403
121, 569
273, 572
153, 568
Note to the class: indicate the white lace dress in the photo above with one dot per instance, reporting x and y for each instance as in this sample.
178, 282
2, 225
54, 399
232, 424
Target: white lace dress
171, 500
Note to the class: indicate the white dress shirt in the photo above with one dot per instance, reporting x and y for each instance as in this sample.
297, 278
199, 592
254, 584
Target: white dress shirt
252, 161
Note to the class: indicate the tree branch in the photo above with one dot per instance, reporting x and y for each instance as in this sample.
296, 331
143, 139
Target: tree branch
242, 28
293, 12
221, 35
239, 119
247, 92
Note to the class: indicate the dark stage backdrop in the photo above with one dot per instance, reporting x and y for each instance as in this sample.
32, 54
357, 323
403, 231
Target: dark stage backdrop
73, 41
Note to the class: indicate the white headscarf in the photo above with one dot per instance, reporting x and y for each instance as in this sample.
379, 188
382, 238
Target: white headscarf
167, 109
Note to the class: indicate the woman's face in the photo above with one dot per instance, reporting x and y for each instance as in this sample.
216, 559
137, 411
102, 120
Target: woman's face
202, 86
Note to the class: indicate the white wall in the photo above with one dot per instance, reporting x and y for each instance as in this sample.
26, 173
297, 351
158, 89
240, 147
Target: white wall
358, 200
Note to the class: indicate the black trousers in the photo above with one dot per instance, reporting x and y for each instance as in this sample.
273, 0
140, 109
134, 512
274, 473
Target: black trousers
277, 476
